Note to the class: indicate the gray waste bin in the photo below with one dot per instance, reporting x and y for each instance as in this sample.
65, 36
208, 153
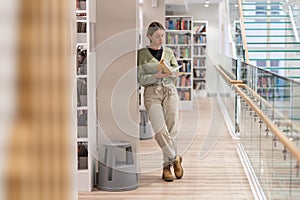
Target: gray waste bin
145, 126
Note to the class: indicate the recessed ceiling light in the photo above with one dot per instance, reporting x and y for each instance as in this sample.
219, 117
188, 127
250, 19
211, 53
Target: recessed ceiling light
207, 2
206, 5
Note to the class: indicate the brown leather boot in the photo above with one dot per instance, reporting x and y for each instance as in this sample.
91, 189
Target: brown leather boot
178, 170
167, 174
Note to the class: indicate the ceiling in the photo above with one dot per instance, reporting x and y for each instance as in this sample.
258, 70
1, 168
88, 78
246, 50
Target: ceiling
202, 1
183, 5
183, 2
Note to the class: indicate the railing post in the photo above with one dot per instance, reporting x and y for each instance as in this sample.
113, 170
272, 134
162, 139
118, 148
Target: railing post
237, 101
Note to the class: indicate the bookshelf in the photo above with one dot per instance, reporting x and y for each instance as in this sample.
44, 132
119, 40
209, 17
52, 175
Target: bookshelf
271, 87
238, 38
85, 84
199, 57
179, 39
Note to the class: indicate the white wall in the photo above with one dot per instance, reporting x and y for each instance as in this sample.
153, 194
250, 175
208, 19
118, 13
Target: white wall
151, 14
210, 14
225, 31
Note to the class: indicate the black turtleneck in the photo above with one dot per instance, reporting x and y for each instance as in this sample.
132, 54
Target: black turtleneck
156, 53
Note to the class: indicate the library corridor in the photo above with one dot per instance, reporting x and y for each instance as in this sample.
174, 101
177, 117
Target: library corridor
212, 168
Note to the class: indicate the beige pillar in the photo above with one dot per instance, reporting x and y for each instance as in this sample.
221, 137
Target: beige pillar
116, 57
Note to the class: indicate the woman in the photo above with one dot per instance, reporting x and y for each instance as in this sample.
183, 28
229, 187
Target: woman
161, 98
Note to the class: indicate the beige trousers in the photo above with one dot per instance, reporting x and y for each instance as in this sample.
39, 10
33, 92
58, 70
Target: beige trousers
161, 103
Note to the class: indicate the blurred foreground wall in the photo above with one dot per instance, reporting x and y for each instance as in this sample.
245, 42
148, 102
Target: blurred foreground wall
36, 82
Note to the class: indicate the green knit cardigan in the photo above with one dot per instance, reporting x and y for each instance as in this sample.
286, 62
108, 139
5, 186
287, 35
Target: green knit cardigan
147, 66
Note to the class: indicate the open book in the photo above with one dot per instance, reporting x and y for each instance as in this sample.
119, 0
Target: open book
166, 68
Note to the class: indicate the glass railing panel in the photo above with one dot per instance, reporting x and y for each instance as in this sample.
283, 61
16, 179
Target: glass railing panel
275, 91
230, 103
295, 111
249, 138
226, 97
278, 98
230, 66
275, 168
294, 135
